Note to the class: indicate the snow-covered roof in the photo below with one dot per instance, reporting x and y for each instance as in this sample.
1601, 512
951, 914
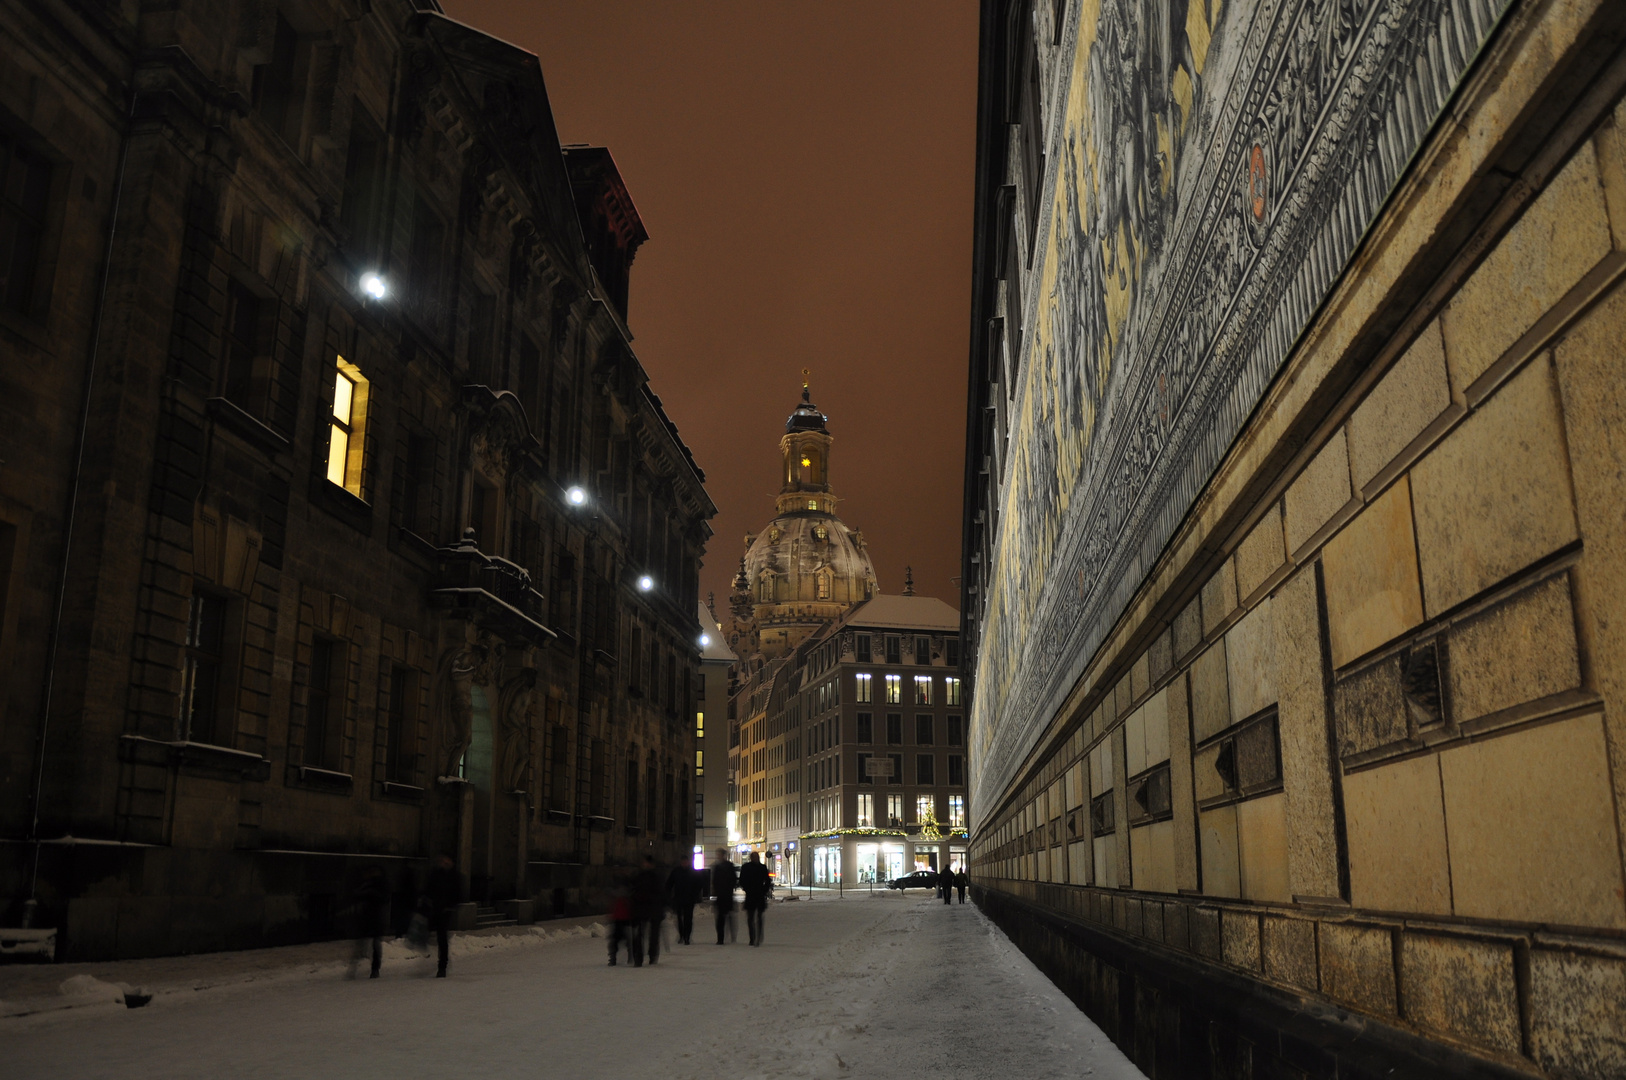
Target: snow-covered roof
905, 613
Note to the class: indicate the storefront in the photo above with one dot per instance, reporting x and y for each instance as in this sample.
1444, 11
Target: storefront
875, 856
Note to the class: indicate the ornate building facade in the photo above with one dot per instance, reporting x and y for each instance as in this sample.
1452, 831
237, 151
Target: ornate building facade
1292, 541
339, 525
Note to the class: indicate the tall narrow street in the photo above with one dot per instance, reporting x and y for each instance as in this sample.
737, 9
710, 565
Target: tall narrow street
866, 986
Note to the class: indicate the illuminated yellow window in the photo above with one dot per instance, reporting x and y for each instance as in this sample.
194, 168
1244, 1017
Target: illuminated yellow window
700, 725
347, 428
700, 763
812, 504
894, 689
861, 684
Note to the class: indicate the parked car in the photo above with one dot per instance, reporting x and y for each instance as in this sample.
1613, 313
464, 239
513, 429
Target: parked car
920, 879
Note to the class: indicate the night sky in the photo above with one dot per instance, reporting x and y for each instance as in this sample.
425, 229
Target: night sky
805, 174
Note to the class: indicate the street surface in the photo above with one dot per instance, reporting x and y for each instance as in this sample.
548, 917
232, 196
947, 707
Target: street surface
867, 987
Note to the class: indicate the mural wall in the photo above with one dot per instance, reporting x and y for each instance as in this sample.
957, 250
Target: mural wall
1211, 168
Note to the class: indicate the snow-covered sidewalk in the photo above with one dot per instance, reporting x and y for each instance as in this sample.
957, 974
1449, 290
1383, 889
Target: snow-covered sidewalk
853, 987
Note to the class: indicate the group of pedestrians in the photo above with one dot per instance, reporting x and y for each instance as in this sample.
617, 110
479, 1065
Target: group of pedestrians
950, 881
437, 903
640, 905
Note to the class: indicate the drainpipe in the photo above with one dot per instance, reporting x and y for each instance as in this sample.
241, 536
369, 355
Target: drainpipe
31, 905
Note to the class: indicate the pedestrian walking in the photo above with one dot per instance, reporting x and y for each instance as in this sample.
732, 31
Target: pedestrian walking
372, 918
960, 883
723, 880
945, 885
756, 884
442, 892
682, 892
647, 910
621, 926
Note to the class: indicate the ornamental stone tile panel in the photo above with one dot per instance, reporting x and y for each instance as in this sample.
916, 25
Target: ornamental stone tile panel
1494, 496
1461, 987
1519, 651
1415, 391
1395, 821
1370, 708
1239, 937
1152, 857
1222, 873
1156, 712
1577, 1013
1261, 553
1561, 236
1517, 806
1219, 597
1318, 493
1370, 571
1204, 928
1188, 629
1261, 826
1357, 966
1135, 742
1250, 662
1181, 791
1289, 951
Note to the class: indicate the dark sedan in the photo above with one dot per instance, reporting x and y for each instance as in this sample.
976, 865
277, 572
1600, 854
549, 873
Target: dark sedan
920, 879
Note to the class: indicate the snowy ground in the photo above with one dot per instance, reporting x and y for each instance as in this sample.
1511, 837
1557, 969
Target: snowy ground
860, 987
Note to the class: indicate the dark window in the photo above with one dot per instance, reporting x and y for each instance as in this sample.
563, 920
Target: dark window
25, 184
894, 729
923, 729
1102, 815
924, 772
202, 679
955, 735
650, 778
362, 175
428, 245
897, 768
894, 649
923, 650
637, 660
632, 792
1149, 796
863, 653
324, 713
416, 470
956, 775
863, 770
866, 727
244, 375
279, 92
559, 766
951, 652
598, 795
1248, 762
530, 378
401, 741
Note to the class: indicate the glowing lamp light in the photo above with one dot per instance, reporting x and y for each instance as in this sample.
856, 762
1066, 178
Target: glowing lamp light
646, 583
373, 285
705, 640
576, 496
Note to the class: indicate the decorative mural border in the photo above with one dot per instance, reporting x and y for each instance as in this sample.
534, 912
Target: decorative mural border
1302, 156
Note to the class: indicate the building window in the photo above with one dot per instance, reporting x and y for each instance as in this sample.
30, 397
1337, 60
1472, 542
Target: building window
894, 810
923, 650
1103, 818
401, 739
202, 678
1149, 796
358, 212
897, 768
956, 775
923, 689
700, 763
894, 649
632, 793
955, 733
951, 652
426, 254
324, 705
347, 428
923, 729
925, 770
25, 186
956, 810
862, 649
951, 691
894, 689
866, 809
863, 688
864, 774
244, 378
812, 504
866, 727
894, 729
278, 89
924, 807
700, 722
765, 587
559, 764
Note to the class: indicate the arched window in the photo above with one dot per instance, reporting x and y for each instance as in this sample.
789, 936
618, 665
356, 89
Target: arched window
765, 587
826, 583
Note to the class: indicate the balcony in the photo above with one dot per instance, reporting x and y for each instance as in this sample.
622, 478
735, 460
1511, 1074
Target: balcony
489, 590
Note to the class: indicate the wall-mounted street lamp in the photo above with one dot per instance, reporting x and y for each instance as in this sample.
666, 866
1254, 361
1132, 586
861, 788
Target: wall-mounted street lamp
705, 641
645, 583
576, 496
374, 286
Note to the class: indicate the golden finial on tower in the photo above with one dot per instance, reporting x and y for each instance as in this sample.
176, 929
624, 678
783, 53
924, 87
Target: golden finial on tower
806, 372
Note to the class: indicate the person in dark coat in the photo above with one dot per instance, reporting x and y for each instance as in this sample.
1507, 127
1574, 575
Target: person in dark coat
724, 879
682, 893
960, 883
945, 884
756, 884
647, 909
442, 891
621, 927
372, 919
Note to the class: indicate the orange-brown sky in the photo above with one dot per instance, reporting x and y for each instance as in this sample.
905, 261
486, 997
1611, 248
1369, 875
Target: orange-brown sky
804, 170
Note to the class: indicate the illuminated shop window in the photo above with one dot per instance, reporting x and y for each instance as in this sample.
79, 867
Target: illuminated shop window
866, 809
894, 689
923, 807
957, 811
347, 428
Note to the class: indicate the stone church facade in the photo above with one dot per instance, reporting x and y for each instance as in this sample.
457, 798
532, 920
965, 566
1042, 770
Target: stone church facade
339, 524
1292, 581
